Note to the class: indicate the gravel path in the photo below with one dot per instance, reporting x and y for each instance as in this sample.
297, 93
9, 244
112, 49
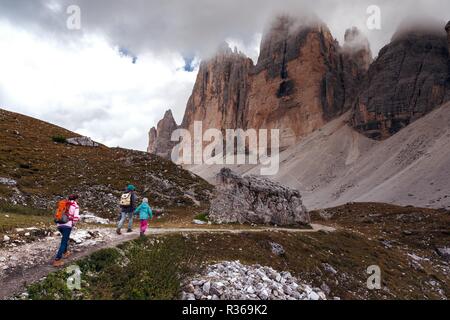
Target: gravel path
24, 264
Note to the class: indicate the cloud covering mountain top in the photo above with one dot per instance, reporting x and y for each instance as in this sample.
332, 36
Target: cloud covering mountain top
85, 81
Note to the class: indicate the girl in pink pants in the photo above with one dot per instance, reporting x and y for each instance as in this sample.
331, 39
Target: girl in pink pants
145, 212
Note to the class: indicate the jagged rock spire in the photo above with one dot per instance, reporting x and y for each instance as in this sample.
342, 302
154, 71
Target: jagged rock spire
160, 138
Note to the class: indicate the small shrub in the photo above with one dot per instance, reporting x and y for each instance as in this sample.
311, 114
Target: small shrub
100, 260
59, 139
24, 166
202, 217
54, 287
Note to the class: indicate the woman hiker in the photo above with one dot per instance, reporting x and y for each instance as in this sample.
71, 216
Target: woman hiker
65, 225
145, 212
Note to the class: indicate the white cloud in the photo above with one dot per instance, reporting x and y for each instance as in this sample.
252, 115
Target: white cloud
251, 49
80, 81
88, 87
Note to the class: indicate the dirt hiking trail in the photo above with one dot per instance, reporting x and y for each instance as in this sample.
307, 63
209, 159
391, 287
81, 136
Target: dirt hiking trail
23, 274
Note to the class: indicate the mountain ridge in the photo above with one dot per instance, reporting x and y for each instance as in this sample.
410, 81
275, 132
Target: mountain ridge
303, 79
37, 168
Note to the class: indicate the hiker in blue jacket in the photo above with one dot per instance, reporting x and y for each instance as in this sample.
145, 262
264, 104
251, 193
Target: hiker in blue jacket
145, 212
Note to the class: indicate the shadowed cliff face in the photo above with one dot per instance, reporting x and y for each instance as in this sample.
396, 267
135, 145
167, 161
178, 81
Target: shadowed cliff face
447, 28
357, 58
302, 80
409, 79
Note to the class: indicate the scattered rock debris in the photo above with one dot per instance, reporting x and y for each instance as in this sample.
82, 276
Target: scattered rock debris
235, 281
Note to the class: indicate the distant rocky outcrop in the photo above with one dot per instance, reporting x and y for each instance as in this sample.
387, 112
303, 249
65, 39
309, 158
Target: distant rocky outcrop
255, 200
83, 141
409, 79
159, 138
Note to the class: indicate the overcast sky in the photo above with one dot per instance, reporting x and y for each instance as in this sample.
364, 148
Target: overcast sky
113, 79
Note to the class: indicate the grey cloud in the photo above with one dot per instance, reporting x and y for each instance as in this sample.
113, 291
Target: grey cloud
189, 26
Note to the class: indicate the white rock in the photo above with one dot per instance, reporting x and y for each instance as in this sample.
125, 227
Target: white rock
6, 238
250, 290
189, 296
82, 141
91, 218
8, 182
206, 287
313, 296
232, 280
322, 295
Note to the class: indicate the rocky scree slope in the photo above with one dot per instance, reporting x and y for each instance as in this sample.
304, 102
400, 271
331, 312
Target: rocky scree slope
410, 168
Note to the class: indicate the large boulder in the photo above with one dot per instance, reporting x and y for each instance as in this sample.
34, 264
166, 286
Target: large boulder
255, 200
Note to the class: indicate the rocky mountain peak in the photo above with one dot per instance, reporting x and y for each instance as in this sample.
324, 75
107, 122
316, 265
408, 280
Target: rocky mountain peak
302, 79
220, 91
408, 80
297, 84
282, 42
160, 138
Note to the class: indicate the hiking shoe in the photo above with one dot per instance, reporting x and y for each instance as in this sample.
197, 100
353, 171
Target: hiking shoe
58, 263
67, 254
142, 234
129, 230
118, 232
